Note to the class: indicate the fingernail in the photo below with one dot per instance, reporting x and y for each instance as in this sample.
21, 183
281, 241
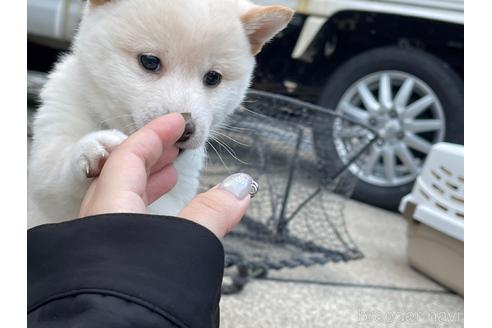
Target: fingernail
238, 184
186, 116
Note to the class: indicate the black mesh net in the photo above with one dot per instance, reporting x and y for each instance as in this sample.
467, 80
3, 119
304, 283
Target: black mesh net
300, 155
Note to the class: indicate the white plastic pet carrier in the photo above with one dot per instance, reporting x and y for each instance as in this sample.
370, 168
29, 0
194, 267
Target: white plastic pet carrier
438, 193
435, 210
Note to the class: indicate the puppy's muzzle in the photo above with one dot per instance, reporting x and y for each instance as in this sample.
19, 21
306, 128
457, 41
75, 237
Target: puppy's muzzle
188, 131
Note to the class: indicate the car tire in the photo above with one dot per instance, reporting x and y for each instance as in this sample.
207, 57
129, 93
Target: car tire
435, 73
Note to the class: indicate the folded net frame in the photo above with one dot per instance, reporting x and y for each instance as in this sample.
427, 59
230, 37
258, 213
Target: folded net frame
297, 216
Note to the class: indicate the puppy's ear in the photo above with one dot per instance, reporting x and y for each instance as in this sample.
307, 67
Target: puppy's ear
98, 2
263, 22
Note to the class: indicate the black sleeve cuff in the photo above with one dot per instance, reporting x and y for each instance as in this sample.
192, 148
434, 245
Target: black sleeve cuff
170, 265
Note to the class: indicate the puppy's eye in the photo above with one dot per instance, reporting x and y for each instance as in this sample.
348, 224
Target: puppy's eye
150, 62
212, 79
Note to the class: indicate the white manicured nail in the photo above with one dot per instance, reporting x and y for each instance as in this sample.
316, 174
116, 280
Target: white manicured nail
238, 184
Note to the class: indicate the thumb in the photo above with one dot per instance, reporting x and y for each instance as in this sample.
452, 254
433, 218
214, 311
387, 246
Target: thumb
221, 208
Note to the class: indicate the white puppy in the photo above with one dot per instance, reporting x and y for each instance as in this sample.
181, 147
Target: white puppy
132, 61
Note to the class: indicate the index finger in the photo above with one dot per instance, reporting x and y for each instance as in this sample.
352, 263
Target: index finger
130, 163
149, 142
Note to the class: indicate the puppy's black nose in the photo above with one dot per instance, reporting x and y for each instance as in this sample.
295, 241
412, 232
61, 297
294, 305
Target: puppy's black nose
188, 131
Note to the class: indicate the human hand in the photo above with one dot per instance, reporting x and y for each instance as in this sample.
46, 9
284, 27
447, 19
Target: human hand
140, 170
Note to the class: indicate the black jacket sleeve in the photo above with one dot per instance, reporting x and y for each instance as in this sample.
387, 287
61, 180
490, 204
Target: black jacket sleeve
124, 270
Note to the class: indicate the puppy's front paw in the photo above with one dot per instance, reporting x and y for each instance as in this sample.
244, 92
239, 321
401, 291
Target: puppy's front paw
93, 149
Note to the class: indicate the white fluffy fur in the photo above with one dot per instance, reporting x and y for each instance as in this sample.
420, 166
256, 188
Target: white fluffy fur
99, 94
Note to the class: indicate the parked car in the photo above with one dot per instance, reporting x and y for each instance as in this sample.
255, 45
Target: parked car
394, 65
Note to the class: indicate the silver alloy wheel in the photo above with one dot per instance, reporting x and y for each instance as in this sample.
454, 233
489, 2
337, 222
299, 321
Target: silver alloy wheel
408, 117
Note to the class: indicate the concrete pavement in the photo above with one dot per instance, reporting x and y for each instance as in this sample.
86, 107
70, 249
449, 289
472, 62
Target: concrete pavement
380, 290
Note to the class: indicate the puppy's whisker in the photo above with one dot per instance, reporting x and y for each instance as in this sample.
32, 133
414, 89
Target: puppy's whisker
233, 128
254, 113
230, 151
249, 101
231, 138
224, 145
220, 158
